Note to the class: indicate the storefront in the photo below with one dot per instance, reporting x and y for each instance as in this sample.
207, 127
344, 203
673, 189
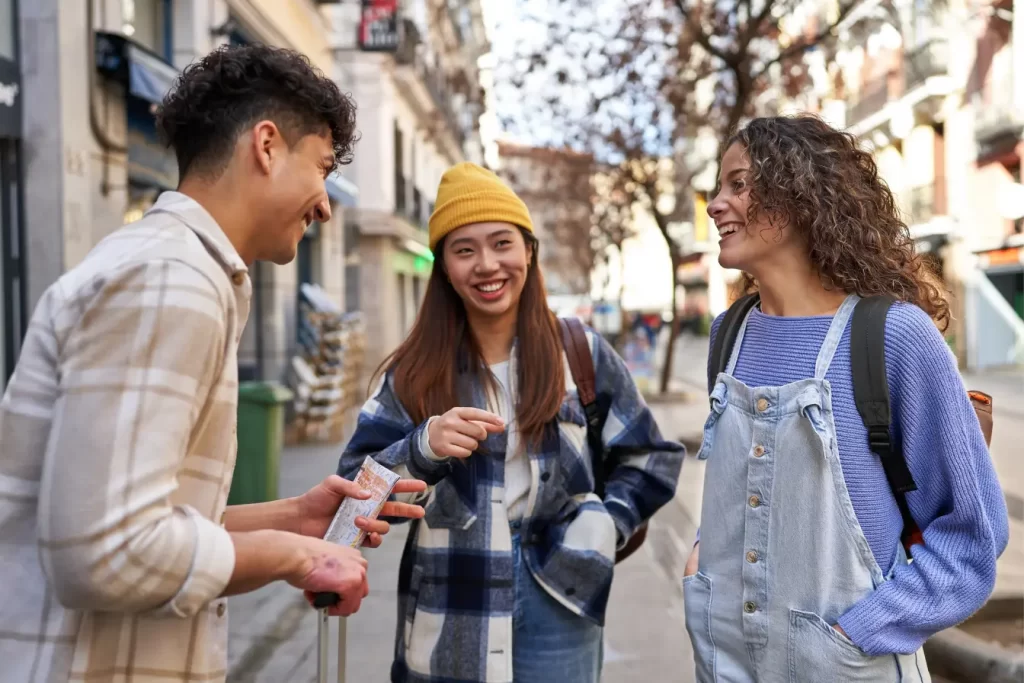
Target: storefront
692, 276
13, 299
1005, 269
147, 78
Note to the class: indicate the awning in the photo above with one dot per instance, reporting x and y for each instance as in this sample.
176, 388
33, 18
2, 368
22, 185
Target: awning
145, 74
341, 190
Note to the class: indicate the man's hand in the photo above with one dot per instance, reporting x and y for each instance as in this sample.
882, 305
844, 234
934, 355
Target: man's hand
317, 506
458, 433
330, 568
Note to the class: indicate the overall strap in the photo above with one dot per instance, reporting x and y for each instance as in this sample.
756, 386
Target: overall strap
834, 336
871, 394
725, 351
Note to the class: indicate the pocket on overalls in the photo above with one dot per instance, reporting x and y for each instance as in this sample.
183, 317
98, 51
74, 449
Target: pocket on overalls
697, 610
717, 408
817, 652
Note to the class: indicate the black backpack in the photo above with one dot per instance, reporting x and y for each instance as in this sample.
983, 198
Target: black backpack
870, 391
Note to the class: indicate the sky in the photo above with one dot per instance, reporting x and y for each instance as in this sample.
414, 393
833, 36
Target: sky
647, 273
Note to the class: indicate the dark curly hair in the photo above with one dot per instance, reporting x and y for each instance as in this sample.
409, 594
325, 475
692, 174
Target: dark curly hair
234, 87
808, 175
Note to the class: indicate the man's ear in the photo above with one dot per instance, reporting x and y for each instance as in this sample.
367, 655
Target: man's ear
266, 143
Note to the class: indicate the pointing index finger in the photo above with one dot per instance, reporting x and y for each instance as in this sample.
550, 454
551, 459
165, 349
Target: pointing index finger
477, 415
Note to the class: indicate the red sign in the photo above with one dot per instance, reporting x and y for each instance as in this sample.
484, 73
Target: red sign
378, 28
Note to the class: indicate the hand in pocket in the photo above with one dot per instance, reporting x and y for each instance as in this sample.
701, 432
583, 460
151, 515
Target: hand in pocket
691, 563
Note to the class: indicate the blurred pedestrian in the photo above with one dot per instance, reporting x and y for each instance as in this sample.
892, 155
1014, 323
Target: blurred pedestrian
800, 573
506, 578
117, 430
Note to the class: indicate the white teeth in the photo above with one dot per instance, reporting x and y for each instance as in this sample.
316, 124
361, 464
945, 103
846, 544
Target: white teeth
491, 287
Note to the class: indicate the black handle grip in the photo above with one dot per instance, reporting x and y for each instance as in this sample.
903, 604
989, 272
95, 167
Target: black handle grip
322, 600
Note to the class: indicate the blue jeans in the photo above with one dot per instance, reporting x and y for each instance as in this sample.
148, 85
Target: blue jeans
550, 643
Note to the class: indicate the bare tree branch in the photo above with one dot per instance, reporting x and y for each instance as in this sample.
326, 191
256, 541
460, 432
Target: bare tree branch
802, 46
703, 39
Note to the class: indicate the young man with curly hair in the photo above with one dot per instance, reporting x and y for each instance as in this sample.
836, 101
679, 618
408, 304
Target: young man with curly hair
117, 431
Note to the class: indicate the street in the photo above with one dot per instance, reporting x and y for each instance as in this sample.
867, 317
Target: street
273, 632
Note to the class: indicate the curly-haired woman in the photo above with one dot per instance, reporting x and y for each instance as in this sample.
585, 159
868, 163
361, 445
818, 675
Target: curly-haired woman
799, 573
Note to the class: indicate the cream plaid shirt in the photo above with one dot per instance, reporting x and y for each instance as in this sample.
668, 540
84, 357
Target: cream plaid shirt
117, 445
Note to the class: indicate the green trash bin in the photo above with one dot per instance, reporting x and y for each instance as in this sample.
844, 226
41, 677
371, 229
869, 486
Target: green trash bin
260, 439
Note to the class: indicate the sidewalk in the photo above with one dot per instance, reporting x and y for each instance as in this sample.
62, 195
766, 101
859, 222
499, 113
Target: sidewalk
273, 632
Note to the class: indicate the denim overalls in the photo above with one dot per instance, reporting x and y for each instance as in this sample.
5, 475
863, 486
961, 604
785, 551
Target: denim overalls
782, 555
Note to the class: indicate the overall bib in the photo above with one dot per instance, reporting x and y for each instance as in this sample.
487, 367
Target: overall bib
782, 555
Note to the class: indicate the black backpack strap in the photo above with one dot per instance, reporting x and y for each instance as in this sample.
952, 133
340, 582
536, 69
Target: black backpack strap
728, 330
871, 394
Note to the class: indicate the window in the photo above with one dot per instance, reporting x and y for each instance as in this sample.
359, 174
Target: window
149, 22
399, 170
7, 20
402, 304
417, 292
12, 294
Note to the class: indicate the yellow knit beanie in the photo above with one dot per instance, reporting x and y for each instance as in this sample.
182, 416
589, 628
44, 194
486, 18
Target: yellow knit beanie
471, 194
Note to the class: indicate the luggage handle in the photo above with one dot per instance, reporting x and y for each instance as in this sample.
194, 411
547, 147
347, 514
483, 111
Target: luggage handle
323, 647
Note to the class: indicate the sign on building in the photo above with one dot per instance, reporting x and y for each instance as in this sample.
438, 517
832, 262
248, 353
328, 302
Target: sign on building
378, 26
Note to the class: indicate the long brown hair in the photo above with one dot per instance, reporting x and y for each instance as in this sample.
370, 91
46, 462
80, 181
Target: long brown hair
807, 174
426, 367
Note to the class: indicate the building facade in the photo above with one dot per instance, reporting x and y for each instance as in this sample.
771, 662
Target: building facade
100, 67
556, 185
946, 134
413, 70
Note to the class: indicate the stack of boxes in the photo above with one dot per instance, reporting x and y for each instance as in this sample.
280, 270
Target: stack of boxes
325, 374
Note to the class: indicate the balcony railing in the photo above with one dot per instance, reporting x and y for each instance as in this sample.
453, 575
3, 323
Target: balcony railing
931, 58
921, 204
997, 119
433, 78
873, 96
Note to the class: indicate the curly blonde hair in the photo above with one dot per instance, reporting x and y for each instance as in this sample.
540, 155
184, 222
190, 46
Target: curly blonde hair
808, 175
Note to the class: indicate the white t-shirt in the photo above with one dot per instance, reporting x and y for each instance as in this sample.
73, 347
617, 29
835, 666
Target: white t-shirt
517, 462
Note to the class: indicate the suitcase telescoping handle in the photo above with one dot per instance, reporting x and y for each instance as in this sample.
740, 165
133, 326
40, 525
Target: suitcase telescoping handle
323, 647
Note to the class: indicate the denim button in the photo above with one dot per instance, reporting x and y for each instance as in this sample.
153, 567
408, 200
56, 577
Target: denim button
545, 476
758, 451
749, 607
762, 405
754, 501
752, 557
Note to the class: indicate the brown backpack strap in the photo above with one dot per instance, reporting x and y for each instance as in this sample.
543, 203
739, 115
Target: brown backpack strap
581, 362
982, 403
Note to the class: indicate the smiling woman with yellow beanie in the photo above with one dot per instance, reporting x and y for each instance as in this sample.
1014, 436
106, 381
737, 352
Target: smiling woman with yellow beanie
507, 575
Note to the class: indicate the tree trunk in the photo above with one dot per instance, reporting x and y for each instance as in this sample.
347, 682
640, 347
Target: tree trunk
673, 331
